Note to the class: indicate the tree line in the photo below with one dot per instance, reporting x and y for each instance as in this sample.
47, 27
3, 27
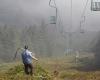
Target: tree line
36, 37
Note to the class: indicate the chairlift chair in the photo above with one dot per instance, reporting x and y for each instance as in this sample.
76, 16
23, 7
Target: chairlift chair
95, 5
52, 19
82, 31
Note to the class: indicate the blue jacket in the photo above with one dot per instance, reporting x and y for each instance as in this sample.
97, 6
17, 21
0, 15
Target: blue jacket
27, 57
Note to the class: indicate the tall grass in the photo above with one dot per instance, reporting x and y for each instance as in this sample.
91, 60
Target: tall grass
44, 70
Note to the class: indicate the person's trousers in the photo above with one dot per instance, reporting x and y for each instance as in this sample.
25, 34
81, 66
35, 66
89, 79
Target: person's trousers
28, 69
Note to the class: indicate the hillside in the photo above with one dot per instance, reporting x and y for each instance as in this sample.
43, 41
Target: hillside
41, 41
66, 69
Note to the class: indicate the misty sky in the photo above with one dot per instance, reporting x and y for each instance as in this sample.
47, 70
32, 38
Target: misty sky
29, 12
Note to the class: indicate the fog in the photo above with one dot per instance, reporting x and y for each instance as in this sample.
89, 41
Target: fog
45, 39
24, 12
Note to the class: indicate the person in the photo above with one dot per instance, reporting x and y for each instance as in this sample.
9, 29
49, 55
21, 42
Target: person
27, 60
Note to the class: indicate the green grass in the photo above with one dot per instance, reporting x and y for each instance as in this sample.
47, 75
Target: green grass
17, 73
44, 70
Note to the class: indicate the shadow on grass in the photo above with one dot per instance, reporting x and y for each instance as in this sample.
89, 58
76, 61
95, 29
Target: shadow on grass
86, 65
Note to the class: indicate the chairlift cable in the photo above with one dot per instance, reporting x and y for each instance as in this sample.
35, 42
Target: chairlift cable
58, 15
55, 3
84, 10
71, 25
83, 15
56, 9
60, 23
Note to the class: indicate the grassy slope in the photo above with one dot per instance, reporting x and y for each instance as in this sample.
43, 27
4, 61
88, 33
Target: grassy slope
65, 66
